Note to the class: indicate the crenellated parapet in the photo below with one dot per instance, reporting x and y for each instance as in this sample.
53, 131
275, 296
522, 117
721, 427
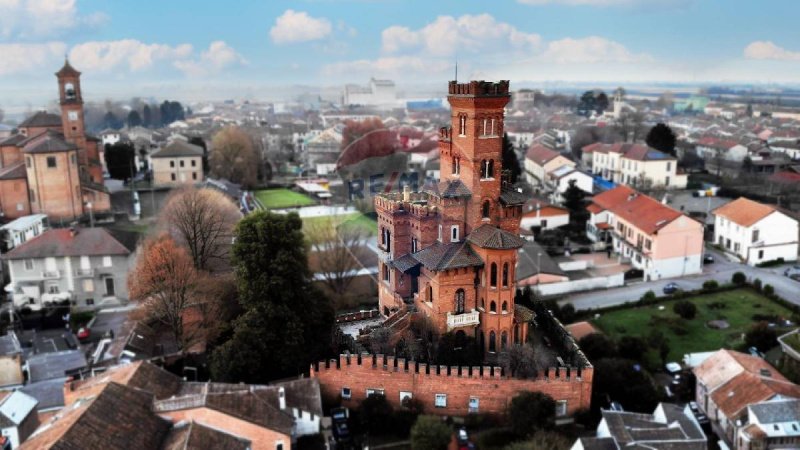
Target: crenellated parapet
479, 88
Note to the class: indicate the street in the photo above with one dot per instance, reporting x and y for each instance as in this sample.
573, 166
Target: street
721, 271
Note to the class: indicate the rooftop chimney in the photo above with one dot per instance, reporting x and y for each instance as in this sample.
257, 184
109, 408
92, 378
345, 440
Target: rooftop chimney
406, 195
282, 398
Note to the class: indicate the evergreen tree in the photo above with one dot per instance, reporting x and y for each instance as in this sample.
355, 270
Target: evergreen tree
134, 119
147, 116
510, 161
601, 102
587, 104
111, 121
287, 322
530, 412
120, 160
662, 138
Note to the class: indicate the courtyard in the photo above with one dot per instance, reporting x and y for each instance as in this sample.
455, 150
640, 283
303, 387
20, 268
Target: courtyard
721, 321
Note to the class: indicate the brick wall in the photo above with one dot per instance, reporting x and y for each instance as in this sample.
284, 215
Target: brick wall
493, 390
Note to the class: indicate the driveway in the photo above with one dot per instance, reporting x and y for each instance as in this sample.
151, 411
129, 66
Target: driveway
721, 271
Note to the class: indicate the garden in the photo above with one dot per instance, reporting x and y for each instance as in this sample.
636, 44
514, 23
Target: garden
282, 198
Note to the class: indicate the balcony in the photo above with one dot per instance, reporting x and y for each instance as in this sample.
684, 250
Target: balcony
84, 273
462, 320
51, 274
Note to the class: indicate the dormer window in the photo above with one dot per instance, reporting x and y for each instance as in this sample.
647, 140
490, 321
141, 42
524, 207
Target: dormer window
462, 125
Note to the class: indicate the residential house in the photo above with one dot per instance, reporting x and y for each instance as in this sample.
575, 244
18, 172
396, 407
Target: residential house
669, 427
540, 161
657, 239
636, 165
18, 417
87, 266
770, 425
179, 162
11, 376
728, 382
21, 230
322, 150
539, 214
756, 232
559, 180
58, 364
718, 152
535, 267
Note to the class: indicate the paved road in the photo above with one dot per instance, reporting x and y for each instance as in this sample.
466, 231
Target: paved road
721, 271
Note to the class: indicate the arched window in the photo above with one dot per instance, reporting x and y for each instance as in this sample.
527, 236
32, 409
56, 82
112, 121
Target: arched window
462, 125
503, 340
492, 342
460, 298
492, 307
430, 293
483, 305
486, 208
385, 272
505, 307
493, 276
69, 91
490, 169
505, 274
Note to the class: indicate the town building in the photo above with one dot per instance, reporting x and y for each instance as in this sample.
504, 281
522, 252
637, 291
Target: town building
87, 266
377, 93
756, 232
729, 382
669, 427
18, 417
540, 215
559, 180
21, 230
11, 376
657, 239
52, 166
770, 425
178, 162
451, 249
540, 160
636, 165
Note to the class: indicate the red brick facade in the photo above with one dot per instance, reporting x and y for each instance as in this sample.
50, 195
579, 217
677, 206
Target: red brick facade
486, 386
479, 280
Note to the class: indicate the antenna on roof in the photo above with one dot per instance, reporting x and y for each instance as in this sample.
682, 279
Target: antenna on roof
456, 70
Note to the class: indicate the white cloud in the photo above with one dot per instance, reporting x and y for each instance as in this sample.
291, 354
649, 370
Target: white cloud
297, 26
29, 58
219, 56
593, 49
448, 35
40, 18
105, 56
768, 50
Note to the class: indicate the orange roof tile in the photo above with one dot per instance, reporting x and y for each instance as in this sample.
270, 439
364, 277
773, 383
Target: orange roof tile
541, 155
645, 213
747, 388
744, 211
579, 330
611, 197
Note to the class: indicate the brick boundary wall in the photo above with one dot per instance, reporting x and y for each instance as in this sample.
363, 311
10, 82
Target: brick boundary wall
493, 389
356, 316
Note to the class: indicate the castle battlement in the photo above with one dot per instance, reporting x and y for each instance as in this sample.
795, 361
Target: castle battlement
479, 88
414, 203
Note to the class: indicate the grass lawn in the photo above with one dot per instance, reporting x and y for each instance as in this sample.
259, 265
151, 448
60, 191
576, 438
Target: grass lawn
737, 307
141, 228
282, 198
367, 224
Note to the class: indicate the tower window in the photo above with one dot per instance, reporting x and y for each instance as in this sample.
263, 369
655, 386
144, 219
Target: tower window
460, 300
488, 127
492, 342
493, 275
504, 307
492, 307
505, 274
462, 125
456, 166
503, 340
486, 209
487, 168
440, 233
51, 162
454, 233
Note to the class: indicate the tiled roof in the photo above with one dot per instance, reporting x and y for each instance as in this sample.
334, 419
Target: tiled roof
744, 211
643, 212
748, 388
512, 197
140, 374
41, 119
13, 139
579, 330
523, 314
776, 411
405, 263
540, 154
118, 417
530, 256
178, 148
51, 142
60, 242
46, 366
196, 436
67, 69
453, 189
610, 198
453, 255
489, 236
14, 172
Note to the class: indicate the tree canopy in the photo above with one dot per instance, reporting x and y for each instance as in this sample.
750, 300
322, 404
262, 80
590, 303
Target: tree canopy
662, 138
430, 433
233, 156
120, 160
510, 161
530, 412
287, 323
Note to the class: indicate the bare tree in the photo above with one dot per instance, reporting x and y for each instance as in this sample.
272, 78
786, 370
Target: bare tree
337, 249
519, 360
380, 341
233, 156
165, 282
203, 221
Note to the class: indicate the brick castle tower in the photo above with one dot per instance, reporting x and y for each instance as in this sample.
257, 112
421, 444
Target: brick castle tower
449, 252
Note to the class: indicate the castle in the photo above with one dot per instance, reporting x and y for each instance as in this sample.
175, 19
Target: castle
449, 252
51, 165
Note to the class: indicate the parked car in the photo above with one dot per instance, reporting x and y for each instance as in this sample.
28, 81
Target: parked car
671, 288
341, 431
84, 333
708, 259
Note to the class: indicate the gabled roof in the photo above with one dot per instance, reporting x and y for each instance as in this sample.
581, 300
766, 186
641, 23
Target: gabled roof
14, 172
645, 213
405, 263
41, 119
14, 139
46, 366
747, 388
776, 411
610, 198
118, 417
453, 255
178, 148
541, 155
532, 260
16, 407
512, 197
140, 374
453, 189
744, 212
50, 142
489, 236
196, 436
61, 242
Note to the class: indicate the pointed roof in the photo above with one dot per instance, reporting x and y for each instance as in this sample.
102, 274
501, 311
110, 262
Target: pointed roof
453, 255
41, 119
744, 212
67, 70
489, 236
51, 142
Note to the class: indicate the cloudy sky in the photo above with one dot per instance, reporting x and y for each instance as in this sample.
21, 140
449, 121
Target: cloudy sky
217, 49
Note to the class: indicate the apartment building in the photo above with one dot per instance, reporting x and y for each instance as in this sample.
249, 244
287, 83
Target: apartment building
637, 165
178, 162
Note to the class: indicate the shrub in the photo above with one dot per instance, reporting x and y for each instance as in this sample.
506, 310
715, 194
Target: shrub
530, 412
685, 308
567, 313
757, 284
648, 298
769, 291
631, 347
761, 336
376, 413
772, 263
430, 433
710, 285
739, 278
